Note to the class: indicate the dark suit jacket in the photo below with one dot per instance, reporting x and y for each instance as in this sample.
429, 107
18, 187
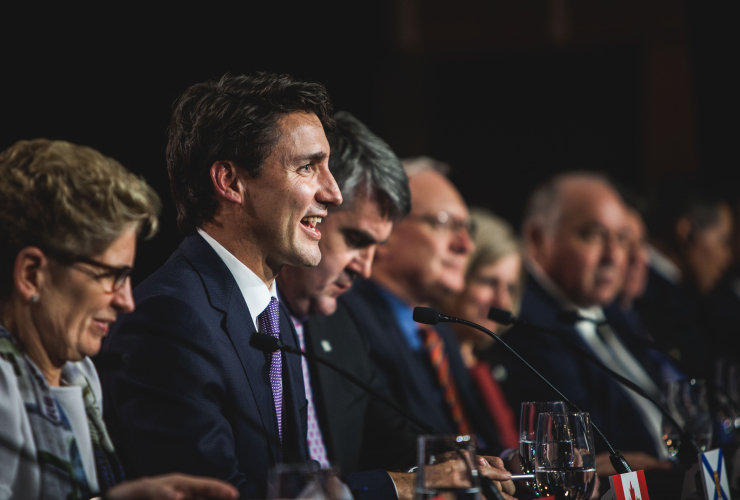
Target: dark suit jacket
196, 398
409, 377
672, 315
580, 380
360, 432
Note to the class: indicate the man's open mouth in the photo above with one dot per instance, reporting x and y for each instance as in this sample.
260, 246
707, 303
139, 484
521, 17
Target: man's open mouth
311, 221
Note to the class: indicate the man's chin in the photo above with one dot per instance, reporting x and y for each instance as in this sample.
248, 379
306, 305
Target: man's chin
306, 256
324, 306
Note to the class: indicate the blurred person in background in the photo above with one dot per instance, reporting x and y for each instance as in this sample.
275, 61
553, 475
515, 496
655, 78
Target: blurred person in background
690, 235
576, 237
69, 221
494, 278
623, 314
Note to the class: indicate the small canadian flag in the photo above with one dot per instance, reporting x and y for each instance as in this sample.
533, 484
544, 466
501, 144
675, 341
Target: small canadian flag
629, 486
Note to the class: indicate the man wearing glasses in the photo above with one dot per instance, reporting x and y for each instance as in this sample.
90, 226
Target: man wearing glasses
423, 260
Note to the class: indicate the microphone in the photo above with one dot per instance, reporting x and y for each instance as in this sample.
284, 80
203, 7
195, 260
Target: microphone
269, 344
427, 313
688, 450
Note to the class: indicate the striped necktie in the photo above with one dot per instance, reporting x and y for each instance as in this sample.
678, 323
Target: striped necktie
441, 363
270, 324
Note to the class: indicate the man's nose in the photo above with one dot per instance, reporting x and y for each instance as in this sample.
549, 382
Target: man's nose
613, 251
362, 264
462, 242
328, 193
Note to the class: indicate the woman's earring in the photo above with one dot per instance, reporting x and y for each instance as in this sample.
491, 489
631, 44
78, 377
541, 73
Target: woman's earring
34, 298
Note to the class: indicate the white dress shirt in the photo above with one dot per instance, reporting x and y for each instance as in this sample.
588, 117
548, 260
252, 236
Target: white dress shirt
255, 292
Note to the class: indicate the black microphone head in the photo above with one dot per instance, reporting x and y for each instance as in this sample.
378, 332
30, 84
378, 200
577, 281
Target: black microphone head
569, 317
426, 315
264, 342
501, 316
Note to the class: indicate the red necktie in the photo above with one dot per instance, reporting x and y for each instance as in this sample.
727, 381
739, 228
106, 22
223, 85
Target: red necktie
441, 363
498, 408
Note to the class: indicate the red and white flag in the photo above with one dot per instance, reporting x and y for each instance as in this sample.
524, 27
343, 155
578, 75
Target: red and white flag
629, 486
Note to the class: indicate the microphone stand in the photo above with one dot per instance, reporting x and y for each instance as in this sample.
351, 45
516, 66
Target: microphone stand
688, 451
431, 316
268, 343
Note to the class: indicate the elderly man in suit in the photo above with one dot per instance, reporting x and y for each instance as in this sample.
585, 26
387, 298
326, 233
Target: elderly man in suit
576, 237
248, 164
423, 260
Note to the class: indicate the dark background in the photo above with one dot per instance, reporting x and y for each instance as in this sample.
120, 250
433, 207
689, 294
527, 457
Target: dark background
507, 93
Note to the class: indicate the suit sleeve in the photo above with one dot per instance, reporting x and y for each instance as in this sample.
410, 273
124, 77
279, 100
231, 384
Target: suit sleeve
389, 440
167, 409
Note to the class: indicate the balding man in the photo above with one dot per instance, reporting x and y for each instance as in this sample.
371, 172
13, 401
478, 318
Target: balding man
576, 238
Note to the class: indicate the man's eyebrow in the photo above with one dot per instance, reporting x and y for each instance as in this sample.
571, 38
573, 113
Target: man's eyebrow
317, 156
363, 236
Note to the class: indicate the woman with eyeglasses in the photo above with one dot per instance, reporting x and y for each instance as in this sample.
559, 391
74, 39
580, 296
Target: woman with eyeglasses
69, 221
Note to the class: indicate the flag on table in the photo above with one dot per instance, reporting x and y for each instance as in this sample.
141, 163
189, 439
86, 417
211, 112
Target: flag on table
714, 475
629, 486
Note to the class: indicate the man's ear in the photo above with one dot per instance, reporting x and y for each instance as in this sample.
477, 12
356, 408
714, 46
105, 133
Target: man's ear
28, 272
226, 181
684, 231
535, 237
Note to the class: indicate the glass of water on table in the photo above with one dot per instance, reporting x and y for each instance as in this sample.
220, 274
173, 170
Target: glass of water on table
564, 456
530, 412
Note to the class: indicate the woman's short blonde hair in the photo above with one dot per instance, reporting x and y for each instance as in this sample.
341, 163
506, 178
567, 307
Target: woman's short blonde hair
69, 200
494, 239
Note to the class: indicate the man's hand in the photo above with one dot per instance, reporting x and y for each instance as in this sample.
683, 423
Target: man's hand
171, 487
637, 460
493, 468
455, 474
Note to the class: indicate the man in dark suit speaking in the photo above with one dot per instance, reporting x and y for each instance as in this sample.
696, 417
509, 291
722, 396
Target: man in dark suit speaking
248, 163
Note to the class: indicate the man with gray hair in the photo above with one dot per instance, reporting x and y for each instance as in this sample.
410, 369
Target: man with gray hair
346, 427
575, 239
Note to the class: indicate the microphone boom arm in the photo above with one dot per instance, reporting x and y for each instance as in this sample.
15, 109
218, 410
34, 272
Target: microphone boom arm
617, 460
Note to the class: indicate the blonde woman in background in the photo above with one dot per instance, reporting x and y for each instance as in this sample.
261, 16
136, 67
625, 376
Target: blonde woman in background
494, 278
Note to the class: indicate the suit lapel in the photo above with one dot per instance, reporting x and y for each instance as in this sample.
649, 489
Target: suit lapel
224, 295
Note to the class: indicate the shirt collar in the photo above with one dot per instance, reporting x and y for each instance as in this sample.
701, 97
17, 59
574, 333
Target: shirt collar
404, 316
255, 292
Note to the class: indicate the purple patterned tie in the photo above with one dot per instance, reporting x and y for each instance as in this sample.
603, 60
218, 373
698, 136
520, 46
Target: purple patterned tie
270, 324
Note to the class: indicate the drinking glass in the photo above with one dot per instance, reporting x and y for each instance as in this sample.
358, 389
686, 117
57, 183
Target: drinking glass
688, 403
564, 456
530, 412
447, 468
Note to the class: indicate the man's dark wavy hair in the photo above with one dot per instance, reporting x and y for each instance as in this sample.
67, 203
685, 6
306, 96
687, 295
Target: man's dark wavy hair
233, 118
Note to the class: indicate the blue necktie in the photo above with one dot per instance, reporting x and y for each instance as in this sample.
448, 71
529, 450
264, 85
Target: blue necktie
270, 324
